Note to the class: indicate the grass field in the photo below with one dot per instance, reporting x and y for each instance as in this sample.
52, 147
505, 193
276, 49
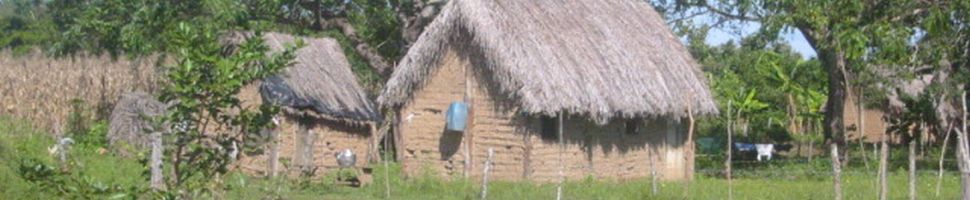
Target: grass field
19, 142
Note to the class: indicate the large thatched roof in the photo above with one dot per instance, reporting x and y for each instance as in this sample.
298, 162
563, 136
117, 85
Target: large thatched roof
601, 58
320, 81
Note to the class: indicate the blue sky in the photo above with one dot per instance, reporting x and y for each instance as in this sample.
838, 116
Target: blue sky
720, 36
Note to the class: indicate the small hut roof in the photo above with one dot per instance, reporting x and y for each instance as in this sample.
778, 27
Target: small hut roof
320, 81
130, 119
601, 58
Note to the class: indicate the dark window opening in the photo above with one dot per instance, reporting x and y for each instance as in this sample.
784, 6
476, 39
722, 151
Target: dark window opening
549, 127
632, 126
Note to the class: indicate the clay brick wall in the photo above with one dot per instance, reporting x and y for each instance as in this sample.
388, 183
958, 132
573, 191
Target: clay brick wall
520, 152
875, 126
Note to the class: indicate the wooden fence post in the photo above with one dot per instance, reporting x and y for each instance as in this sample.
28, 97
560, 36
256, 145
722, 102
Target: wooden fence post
155, 161
939, 178
912, 169
653, 169
836, 171
488, 166
883, 168
727, 162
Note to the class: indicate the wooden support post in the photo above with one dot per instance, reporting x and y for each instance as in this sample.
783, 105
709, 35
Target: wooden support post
399, 141
306, 147
469, 136
562, 147
373, 143
688, 168
527, 157
274, 150
387, 168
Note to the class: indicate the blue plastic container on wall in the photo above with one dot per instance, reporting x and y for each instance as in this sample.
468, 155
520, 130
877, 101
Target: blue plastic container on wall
457, 116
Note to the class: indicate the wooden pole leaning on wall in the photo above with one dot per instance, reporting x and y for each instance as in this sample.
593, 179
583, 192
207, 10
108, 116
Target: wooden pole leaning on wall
467, 135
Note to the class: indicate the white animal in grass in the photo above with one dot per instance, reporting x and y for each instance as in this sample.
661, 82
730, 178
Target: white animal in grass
61, 148
764, 150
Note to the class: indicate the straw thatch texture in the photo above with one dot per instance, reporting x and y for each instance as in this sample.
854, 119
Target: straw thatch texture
41, 89
131, 119
321, 81
601, 58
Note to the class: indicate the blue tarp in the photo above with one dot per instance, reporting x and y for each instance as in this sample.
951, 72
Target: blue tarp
457, 116
274, 90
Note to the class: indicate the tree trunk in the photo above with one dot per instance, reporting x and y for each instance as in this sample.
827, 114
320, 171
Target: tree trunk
835, 106
963, 157
836, 172
883, 168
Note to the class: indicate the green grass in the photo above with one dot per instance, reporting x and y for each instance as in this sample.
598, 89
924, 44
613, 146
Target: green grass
19, 141
857, 186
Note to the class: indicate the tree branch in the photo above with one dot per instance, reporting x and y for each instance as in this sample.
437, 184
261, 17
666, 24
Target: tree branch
373, 58
723, 13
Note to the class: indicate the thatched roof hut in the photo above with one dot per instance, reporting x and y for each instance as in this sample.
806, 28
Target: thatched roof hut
611, 71
321, 81
604, 59
325, 109
131, 119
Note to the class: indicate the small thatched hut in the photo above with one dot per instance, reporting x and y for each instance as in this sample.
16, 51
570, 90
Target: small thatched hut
619, 82
869, 122
325, 110
131, 120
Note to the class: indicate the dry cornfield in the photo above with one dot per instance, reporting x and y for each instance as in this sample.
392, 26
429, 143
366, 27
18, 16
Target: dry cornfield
41, 89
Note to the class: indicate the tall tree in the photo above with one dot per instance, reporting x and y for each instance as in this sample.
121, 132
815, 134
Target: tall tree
844, 34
